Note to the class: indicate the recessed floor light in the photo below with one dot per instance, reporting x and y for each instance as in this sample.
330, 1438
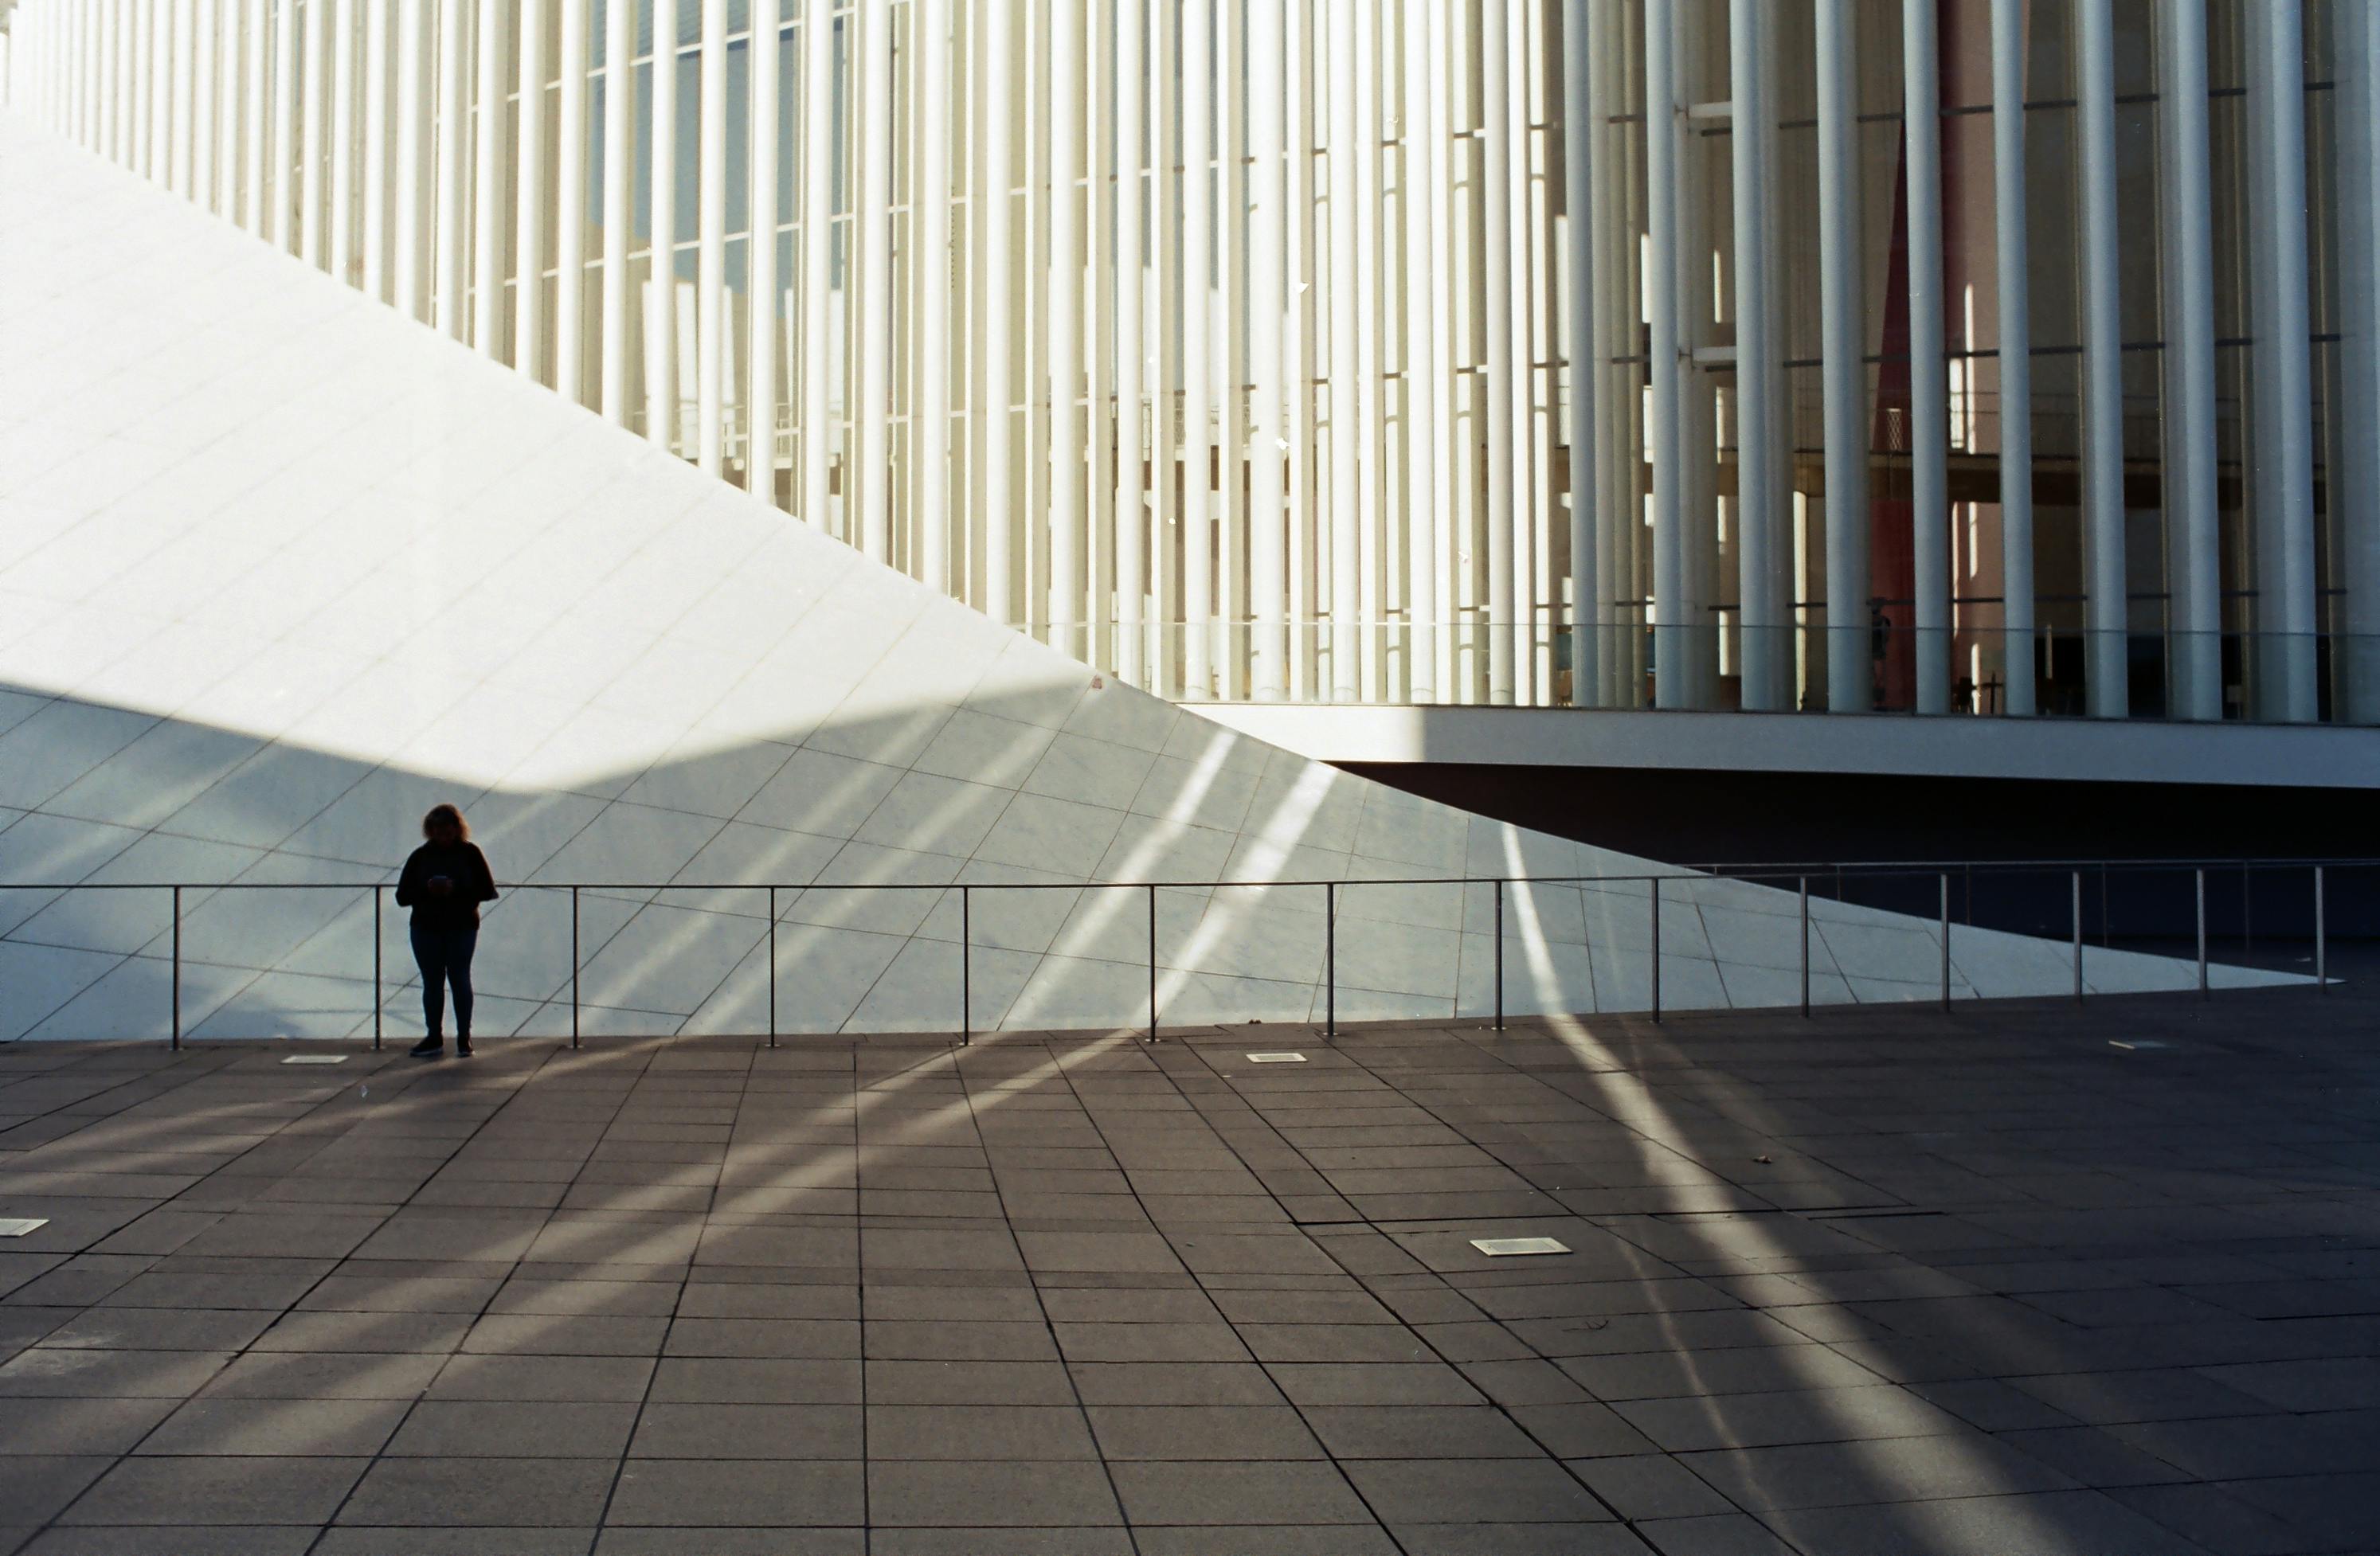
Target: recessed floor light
315, 1059
18, 1226
1275, 1058
1506, 1248
2137, 1043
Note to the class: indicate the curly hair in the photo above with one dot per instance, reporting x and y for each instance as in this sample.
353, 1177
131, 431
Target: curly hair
446, 813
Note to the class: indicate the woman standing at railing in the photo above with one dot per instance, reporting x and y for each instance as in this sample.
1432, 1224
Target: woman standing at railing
444, 882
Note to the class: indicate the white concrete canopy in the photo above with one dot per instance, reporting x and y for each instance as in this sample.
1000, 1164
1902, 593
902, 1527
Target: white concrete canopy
280, 567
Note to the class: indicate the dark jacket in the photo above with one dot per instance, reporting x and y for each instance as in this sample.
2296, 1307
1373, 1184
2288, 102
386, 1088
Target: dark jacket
464, 865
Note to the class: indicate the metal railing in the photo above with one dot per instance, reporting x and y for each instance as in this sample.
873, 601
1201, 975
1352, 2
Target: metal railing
1795, 877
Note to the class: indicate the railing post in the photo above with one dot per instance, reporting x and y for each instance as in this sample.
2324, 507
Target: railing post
1657, 948
1805, 946
177, 968
966, 967
1946, 940
1152, 961
1499, 954
772, 967
574, 966
2078, 935
2321, 976
376, 968
2200, 881
1329, 958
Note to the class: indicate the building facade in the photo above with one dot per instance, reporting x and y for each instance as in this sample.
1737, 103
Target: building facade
2001, 357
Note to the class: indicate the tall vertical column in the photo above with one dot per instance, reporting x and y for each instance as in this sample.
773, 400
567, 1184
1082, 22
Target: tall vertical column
1345, 16
873, 248
414, 84
1759, 499
761, 263
1417, 182
2357, 651
2281, 375
452, 127
254, 97
285, 123
490, 209
1929, 383
1505, 474
341, 149
1673, 677
1581, 127
1064, 345
185, 88
207, 21
532, 198
1851, 677
2106, 648
228, 104
1197, 273
1268, 516
2192, 536
818, 306
660, 288
313, 150
710, 254
2015, 279
1131, 479
375, 59
570, 201
619, 299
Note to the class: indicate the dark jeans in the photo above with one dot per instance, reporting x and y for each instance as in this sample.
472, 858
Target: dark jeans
445, 958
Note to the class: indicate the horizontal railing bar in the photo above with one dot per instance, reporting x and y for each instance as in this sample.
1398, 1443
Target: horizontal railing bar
1732, 871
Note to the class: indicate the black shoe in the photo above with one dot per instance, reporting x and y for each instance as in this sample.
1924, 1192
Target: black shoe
428, 1048
462, 1046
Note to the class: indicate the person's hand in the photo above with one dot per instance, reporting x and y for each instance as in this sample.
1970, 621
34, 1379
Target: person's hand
440, 887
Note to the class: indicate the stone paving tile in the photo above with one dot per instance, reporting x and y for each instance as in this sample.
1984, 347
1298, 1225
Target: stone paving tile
1884, 1280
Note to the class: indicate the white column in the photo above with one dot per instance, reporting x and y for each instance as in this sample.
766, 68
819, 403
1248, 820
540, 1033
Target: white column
285, 123
1759, 496
1850, 679
619, 301
873, 252
1418, 180
1197, 274
2107, 652
415, 83
1929, 383
2194, 646
1505, 474
660, 288
229, 104
341, 148
1345, 16
2014, 262
818, 304
375, 149
570, 206
208, 24
2359, 349
1672, 632
1063, 325
760, 261
489, 208
1132, 481
453, 128
313, 151
1268, 517
256, 135
2281, 456
1446, 508
185, 87
1581, 127
532, 197
710, 275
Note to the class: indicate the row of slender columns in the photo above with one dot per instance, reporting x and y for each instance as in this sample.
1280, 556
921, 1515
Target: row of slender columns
1359, 451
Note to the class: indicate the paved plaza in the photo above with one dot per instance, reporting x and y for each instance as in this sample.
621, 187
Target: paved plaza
2021, 1279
